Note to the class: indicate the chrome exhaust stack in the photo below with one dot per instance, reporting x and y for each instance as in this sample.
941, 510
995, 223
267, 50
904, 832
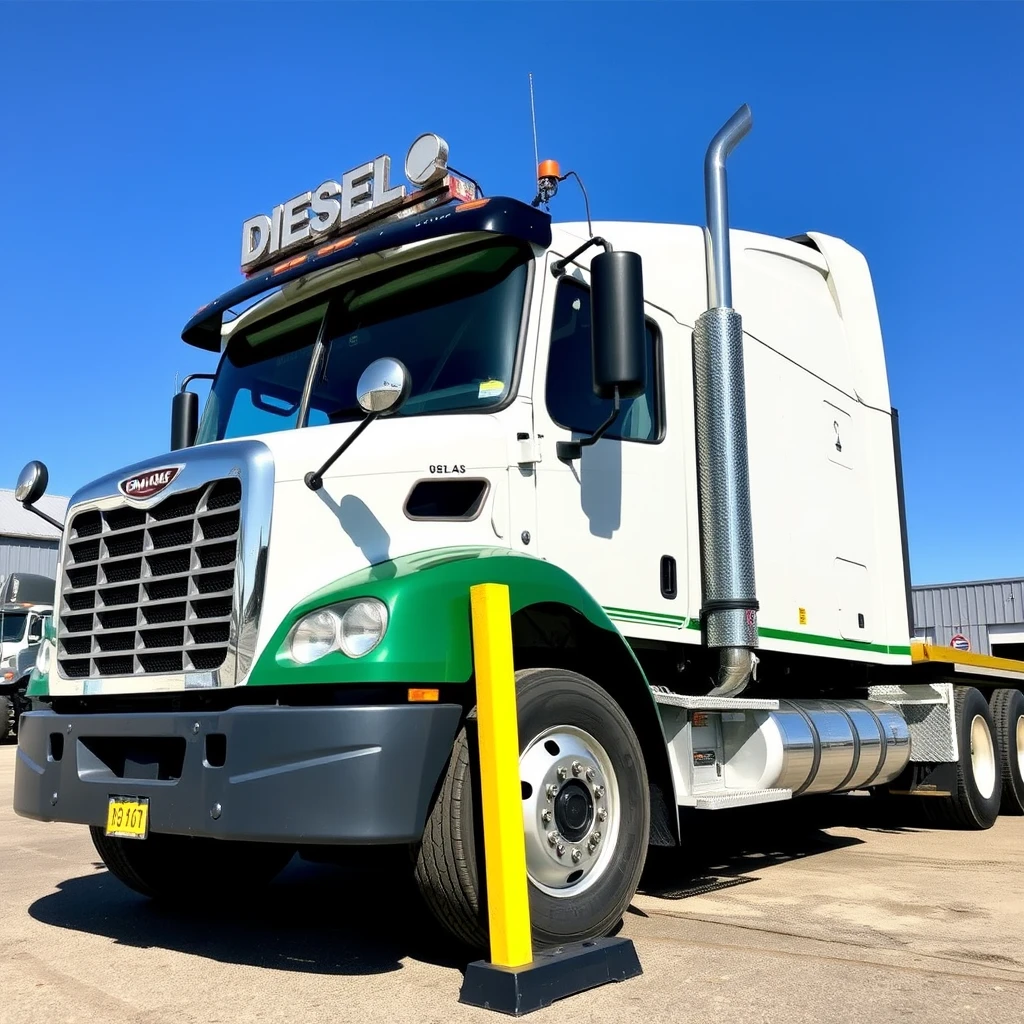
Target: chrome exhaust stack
729, 612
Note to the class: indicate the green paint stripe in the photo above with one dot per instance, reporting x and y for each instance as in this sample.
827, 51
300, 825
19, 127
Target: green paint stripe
654, 618
829, 641
677, 622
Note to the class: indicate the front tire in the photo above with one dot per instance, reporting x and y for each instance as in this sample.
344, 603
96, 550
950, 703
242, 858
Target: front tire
6, 718
1008, 715
166, 867
974, 802
586, 815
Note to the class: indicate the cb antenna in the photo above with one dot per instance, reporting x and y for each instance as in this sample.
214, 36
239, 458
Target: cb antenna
549, 174
533, 115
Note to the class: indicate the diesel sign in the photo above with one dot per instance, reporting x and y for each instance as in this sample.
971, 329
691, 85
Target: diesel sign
364, 192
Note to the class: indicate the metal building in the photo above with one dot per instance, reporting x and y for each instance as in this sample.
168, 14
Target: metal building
27, 543
987, 614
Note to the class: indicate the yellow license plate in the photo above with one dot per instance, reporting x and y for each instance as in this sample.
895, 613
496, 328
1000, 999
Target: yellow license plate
128, 817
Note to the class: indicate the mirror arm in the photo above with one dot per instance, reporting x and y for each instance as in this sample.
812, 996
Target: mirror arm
59, 527
569, 450
314, 481
558, 267
196, 376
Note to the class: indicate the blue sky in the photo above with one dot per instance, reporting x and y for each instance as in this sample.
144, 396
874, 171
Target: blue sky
137, 137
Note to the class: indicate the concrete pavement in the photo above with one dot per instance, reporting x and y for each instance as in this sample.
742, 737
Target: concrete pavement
829, 911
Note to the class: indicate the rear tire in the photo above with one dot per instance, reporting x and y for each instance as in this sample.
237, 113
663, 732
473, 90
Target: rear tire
565, 721
166, 867
1008, 714
974, 803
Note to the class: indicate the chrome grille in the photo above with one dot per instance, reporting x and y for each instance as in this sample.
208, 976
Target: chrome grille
151, 590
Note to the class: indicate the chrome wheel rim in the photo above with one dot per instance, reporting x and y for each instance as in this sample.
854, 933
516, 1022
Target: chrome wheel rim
983, 757
571, 810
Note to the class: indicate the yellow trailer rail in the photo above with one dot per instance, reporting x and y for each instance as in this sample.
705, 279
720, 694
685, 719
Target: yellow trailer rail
967, 662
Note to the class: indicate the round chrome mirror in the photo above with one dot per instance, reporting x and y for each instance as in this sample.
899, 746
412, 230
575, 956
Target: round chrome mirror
32, 483
383, 386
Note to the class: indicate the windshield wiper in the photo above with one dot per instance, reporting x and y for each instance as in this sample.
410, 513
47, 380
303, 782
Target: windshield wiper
316, 364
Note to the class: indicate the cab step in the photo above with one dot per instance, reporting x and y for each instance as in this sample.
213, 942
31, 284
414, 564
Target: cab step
739, 798
691, 703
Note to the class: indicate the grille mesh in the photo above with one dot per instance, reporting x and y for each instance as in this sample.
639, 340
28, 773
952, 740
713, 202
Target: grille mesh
150, 591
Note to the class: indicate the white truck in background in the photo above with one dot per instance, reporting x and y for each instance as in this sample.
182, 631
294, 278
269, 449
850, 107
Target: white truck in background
25, 605
261, 643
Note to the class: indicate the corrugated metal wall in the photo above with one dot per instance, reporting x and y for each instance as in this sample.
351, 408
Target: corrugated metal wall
968, 608
22, 554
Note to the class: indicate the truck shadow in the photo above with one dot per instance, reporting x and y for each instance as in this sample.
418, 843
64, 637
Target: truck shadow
318, 919
323, 919
723, 849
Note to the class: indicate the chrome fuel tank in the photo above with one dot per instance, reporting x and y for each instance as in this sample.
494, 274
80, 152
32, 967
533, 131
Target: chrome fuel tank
826, 746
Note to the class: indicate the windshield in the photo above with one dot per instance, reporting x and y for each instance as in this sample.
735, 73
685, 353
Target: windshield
453, 320
13, 627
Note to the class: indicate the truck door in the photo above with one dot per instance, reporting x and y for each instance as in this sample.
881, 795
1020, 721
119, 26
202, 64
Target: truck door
616, 518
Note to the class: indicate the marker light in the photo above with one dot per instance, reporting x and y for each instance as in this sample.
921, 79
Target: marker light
548, 176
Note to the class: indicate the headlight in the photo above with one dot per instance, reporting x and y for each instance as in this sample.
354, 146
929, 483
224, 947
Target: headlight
354, 628
43, 658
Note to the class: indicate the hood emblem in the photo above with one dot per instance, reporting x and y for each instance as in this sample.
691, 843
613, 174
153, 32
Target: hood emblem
145, 485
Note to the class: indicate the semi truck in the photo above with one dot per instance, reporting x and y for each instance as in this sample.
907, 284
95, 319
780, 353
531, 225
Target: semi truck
24, 607
674, 445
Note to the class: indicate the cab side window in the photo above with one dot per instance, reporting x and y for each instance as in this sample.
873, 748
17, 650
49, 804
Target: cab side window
35, 630
569, 389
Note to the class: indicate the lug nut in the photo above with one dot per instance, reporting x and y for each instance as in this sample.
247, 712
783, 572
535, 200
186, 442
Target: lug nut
552, 838
576, 767
545, 816
195, 728
598, 792
560, 849
561, 773
595, 837
602, 814
591, 775
551, 790
576, 856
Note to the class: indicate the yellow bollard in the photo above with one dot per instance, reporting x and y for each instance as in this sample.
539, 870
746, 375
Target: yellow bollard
504, 845
512, 981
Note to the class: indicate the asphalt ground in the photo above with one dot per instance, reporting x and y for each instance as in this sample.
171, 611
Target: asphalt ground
833, 911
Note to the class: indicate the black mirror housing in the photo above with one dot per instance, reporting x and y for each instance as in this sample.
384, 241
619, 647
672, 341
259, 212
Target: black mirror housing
618, 332
184, 420
32, 483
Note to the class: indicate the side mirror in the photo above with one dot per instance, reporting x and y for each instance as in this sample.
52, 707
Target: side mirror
618, 334
383, 386
32, 483
184, 420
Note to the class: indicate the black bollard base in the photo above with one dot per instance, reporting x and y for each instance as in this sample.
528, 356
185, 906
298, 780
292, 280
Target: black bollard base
554, 974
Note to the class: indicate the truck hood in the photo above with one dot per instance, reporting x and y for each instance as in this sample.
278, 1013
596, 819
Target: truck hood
362, 515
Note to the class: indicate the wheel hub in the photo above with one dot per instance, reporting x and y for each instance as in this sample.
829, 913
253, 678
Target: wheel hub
570, 810
983, 758
574, 811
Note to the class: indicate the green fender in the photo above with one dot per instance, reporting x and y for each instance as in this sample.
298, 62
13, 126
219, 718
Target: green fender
428, 639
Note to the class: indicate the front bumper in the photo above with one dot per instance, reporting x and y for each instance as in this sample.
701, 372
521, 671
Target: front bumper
293, 775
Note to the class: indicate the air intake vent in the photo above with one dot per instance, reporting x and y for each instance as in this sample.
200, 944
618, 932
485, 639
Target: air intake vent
446, 499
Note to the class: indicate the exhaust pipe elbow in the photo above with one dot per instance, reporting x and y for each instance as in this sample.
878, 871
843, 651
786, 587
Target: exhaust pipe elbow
716, 200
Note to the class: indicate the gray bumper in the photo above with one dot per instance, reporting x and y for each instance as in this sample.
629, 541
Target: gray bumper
296, 775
